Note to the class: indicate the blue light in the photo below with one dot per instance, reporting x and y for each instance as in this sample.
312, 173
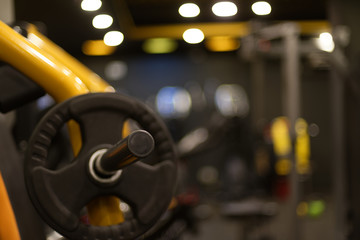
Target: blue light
173, 102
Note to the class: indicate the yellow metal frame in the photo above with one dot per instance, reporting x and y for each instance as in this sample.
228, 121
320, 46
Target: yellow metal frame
8, 226
62, 77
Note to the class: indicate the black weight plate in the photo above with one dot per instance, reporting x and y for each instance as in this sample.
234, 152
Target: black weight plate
59, 193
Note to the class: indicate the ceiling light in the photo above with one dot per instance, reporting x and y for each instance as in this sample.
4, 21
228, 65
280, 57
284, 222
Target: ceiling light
193, 36
261, 8
90, 5
325, 42
189, 10
113, 38
224, 9
102, 21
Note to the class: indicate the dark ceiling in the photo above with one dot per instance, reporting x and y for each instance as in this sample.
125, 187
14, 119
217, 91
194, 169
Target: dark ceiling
67, 25
165, 11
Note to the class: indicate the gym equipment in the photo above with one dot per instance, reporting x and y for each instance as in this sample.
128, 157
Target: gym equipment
61, 193
106, 166
283, 146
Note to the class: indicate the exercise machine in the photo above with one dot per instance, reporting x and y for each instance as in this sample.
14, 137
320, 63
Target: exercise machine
121, 150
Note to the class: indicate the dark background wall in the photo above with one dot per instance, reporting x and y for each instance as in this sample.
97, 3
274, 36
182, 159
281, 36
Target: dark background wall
147, 74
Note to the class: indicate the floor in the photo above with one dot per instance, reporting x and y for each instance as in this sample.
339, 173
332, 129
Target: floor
217, 227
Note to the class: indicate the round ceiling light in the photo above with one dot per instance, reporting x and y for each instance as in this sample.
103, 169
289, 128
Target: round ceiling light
113, 38
102, 21
224, 9
90, 5
189, 10
193, 36
261, 8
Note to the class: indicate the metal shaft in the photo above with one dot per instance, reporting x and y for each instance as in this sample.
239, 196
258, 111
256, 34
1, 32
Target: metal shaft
139, 144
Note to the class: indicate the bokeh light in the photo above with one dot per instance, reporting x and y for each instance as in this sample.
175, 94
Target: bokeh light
173, 102
90, 5
189, 10
102, 21
231, 100
224, 9
261, 8
325, 42
113, 38
193, 36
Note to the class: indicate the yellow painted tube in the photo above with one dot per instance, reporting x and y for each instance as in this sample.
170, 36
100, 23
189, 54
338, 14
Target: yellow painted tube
40, 66
8, 225
93, 82
44, 69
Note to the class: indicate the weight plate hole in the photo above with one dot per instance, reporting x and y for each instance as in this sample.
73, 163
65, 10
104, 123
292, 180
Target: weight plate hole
91, 213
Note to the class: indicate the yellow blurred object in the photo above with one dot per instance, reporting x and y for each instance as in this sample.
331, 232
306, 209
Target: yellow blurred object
302, 209
97, 48
8, 225
159, 45
282, 145
281, 137
105, 211
283, 166
173, 204
222, 43
302, 147
75, 136
127, 129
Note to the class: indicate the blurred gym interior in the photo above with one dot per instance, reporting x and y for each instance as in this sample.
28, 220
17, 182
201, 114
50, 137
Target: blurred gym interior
262, 103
